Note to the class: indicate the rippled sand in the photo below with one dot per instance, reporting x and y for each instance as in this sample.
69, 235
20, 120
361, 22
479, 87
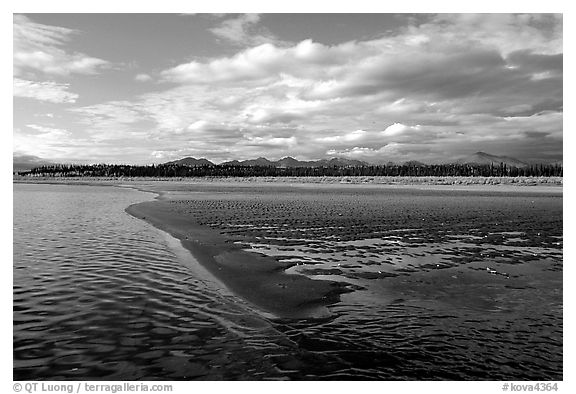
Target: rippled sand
447, 283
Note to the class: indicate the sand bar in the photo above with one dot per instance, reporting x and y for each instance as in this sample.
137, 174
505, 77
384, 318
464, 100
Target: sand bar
259, 279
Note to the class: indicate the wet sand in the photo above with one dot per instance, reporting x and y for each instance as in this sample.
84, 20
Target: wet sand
257, 278
249, 234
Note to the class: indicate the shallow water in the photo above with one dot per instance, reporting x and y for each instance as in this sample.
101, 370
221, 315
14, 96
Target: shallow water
99, 294
447, 286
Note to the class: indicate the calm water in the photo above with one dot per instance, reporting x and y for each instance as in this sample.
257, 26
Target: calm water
99, 294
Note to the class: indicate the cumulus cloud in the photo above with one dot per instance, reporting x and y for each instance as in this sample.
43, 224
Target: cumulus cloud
355, 135
394, 152
372, 142
399, 129
39, 48
265, 62
44, 91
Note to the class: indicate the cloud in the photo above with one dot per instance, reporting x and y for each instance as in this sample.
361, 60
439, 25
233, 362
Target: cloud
271, 141
399, 129
265, 62
534, 62
348, 137
430, 91
507, 33
38, 48
252, 64
65, 146
44, 91
395, 152
142, 78
42, 141
243, 30
113, 121
51, 131
371, 142
163, 154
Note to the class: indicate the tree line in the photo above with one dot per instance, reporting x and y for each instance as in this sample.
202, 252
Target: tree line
176, 170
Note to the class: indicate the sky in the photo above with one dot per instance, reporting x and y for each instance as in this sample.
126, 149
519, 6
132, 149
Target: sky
149, 88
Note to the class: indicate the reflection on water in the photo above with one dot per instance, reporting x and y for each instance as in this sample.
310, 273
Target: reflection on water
99, 294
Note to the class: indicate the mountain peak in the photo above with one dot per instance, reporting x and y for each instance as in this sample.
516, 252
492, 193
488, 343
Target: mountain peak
192, 162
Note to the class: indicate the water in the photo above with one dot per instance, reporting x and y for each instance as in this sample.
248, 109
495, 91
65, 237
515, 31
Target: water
99, 294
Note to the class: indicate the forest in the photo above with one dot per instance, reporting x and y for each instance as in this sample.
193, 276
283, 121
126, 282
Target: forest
176, 170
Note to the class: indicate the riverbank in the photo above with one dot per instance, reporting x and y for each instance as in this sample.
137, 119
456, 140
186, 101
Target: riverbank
474, 184
356, 180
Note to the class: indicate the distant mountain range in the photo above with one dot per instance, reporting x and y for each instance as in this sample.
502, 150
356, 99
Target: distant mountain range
28, 162
486, 158
289, 162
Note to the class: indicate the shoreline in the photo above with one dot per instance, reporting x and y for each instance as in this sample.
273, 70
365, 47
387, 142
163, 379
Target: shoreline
504, 185
258, 279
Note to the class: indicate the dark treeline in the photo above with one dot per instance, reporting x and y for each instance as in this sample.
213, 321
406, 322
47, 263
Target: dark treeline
174, 170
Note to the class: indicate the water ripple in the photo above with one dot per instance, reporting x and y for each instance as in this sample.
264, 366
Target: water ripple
99, 294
